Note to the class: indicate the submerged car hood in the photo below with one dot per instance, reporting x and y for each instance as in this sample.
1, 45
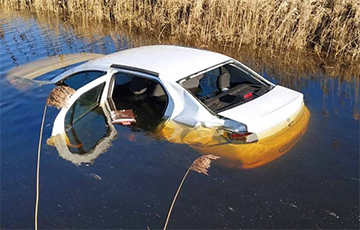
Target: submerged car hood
269, 113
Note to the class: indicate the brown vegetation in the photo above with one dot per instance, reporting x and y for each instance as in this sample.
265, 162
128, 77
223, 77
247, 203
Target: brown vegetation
59, 96
291, 69
327, 28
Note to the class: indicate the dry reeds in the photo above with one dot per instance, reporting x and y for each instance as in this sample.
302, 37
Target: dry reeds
200, 165
59, 96
328, 28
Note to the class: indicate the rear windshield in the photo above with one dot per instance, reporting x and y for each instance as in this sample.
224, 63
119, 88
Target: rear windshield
225, 87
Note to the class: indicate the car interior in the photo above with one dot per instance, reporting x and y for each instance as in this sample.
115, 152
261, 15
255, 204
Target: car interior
145, 97
225, 87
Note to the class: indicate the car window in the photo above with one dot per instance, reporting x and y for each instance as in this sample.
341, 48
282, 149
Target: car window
78, 80
225, 87
208, 84
84, 104
239, 76
84, 135
144, 96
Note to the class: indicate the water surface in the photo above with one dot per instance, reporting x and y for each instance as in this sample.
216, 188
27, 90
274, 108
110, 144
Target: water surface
314, 185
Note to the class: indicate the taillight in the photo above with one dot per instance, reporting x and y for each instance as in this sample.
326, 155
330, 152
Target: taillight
240, 138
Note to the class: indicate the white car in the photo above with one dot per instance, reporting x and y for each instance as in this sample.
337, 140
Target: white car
190, 86
160, 83
207, 100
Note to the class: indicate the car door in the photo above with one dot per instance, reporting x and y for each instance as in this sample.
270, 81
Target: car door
83, 129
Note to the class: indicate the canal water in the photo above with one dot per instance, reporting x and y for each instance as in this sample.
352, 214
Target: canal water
131, 185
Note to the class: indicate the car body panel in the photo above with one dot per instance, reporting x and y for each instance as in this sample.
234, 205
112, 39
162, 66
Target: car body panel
265, 113
22, 77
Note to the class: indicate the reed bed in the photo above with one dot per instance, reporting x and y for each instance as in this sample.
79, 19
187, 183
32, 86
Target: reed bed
326, 28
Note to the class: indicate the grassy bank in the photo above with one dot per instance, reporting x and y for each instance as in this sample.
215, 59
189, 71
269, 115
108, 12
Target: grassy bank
328, 28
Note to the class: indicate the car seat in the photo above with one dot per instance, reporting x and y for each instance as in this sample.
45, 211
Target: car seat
223, 81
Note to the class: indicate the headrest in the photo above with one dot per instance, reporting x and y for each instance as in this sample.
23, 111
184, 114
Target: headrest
191, 83
138, 85
223, 81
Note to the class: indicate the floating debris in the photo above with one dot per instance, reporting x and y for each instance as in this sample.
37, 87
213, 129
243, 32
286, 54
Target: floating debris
96, 176
333, 214
290, 204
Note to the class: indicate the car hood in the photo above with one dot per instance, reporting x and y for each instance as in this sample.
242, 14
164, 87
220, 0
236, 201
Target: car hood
269, 113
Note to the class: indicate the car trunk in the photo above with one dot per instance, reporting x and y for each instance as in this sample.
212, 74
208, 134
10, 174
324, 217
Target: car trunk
269, 113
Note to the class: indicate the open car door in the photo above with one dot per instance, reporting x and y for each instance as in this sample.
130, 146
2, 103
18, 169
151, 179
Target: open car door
83, 130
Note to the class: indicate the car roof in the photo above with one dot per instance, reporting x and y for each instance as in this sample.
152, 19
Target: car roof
171, 62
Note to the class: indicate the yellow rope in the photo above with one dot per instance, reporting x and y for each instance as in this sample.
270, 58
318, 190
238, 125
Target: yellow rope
38, 171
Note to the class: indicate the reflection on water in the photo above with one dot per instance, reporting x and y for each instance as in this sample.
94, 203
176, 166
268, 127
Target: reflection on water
314, 185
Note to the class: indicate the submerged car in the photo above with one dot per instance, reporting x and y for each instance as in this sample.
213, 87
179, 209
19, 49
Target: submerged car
194, 87
160, 83
93, 134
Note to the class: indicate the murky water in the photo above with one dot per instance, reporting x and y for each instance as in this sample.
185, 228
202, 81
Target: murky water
314, 185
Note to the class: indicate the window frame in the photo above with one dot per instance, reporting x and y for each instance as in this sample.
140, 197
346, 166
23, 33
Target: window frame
233, 62
71, 109
62, 81
143, 74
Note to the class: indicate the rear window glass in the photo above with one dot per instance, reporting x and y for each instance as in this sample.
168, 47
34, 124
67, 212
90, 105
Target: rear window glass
224, 87
208, 84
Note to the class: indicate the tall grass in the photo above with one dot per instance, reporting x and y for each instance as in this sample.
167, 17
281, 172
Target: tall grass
292, 69
328, 28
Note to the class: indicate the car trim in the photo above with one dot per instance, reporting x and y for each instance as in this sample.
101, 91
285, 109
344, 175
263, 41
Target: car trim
203, 71
125, 67
61, 81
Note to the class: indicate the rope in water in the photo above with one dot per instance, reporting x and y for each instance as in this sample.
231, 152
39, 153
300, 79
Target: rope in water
38, 171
